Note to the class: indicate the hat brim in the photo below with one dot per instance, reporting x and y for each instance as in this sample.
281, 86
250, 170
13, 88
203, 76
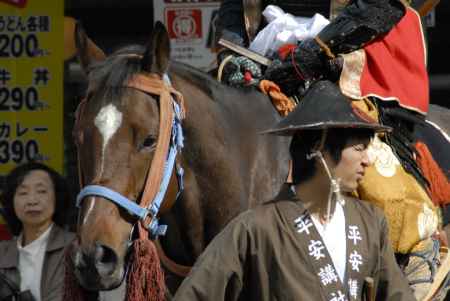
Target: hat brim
292, 129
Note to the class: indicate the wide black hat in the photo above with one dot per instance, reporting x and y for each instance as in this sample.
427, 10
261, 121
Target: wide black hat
323, 107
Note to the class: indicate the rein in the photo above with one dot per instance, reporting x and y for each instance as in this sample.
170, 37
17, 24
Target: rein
170, 141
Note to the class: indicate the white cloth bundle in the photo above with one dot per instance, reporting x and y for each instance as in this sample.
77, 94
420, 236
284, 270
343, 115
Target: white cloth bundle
283, 28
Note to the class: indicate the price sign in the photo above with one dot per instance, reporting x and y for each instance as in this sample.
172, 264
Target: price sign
31, 83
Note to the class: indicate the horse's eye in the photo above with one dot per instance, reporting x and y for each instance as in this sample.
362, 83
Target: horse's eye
148, 143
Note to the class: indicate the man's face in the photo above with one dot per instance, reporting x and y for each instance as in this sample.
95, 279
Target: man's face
34, 200
351, 167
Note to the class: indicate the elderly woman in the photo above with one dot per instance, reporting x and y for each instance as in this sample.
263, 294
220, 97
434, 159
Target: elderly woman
35, 205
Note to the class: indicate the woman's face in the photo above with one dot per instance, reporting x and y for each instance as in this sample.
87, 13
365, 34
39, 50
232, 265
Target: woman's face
34, 200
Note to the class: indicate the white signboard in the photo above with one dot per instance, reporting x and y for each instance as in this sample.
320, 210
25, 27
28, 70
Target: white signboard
191, 27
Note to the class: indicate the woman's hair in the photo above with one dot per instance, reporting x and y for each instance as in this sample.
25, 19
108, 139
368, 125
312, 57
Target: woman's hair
63, 197
305, 142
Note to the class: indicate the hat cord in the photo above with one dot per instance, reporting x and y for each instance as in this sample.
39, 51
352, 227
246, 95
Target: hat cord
335, 190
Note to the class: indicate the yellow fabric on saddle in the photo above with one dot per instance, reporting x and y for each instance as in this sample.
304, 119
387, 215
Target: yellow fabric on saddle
410, 213
366, 106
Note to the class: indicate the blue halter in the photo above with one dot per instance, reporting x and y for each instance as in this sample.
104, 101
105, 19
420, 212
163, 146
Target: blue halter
154, 228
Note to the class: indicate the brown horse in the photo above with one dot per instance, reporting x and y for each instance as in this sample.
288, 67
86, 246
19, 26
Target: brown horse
228, 166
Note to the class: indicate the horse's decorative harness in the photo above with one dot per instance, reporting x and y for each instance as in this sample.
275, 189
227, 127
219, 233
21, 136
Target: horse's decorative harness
170, 141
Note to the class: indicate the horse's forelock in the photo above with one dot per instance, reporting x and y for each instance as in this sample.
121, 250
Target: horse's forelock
110, 75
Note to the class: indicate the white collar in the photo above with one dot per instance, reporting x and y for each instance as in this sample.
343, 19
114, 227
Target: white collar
35, 244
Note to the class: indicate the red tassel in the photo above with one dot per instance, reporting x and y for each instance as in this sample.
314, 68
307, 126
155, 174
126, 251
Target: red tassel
145, 280
439, 185
72, 289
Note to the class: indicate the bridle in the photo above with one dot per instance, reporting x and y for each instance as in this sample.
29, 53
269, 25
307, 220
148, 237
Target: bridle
169, 143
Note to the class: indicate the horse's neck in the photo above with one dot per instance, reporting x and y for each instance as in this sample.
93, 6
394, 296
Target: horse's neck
246, 107
177, 244
222, 144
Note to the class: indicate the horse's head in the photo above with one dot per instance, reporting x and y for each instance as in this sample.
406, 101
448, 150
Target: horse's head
116, 132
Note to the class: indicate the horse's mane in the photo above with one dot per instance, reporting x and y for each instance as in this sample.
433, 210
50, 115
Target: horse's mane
197, 77
109, 76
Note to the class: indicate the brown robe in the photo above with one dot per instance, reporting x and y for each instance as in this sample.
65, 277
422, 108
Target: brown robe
274, 252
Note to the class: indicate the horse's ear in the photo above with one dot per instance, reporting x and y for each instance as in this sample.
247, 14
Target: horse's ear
70, 50
157, 54
87, 51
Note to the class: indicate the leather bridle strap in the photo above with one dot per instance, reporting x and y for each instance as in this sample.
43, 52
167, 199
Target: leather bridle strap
176, 268
152, 84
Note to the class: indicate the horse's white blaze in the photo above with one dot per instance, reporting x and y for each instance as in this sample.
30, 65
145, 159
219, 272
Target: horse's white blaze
108, 121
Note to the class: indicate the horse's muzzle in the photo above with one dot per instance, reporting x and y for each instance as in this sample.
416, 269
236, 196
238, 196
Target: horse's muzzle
98, 268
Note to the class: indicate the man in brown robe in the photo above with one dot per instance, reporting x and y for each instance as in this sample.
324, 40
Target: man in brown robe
318, 243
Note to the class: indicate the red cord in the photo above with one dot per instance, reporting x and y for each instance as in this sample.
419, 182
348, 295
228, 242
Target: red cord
295, 66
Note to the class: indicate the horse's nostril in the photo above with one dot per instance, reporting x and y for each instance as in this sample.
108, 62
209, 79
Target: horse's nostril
99, 253
105, 260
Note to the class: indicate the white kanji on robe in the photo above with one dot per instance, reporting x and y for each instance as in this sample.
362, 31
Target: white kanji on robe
354, 234
353, 287
315, 248
355, 260
303, 223
327, 274
339, 296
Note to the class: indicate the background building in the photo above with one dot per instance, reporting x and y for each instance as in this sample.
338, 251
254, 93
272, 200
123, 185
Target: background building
112, 23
